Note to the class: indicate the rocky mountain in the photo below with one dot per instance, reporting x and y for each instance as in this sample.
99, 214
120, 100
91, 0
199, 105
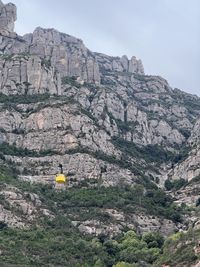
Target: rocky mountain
109, 124
93, 103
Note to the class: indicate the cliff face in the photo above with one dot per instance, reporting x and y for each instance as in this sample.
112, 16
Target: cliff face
98, 104
7, 18
43, 58
62, 103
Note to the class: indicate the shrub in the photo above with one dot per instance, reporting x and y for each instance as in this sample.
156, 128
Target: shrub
175, 184
71, 81
23, 99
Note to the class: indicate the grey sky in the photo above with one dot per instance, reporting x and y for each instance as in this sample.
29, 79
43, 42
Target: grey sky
165, 34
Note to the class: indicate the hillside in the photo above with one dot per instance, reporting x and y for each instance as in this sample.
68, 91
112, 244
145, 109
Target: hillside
96, 226
128, 142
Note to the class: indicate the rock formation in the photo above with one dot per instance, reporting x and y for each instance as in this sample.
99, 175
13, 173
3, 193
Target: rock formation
8, 17
111, 100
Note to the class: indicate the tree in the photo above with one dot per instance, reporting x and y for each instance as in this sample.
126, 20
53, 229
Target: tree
153, 240
124, 264
198, 202
3, 225
168, 185
99, 263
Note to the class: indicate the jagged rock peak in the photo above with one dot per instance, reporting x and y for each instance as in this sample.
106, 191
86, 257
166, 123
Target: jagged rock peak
132, 65
8, 16
50, 56
123, 64
53, 37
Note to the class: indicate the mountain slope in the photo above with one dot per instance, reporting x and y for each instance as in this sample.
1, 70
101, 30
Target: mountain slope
120, 135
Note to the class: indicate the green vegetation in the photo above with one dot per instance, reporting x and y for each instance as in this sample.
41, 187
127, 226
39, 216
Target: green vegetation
46, 63
196, 179
191, 102
182, 155
149, 153
175, 184
71, 81
23, 99
58, 243
8, 174
125, 126
7, 149
12, 150
178, 250
127, 199
185, 132
140, 77
7, 57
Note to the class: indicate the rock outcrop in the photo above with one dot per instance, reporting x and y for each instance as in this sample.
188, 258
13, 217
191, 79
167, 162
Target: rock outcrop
122, 64
8, 16
114, 101
36, 63
140, 222
189, 167
40, 60
19, 209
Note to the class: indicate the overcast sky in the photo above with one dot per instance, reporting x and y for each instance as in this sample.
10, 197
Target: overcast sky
165, 34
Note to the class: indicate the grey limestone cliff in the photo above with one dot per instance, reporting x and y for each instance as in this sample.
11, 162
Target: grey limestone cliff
8, 16
42, 58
